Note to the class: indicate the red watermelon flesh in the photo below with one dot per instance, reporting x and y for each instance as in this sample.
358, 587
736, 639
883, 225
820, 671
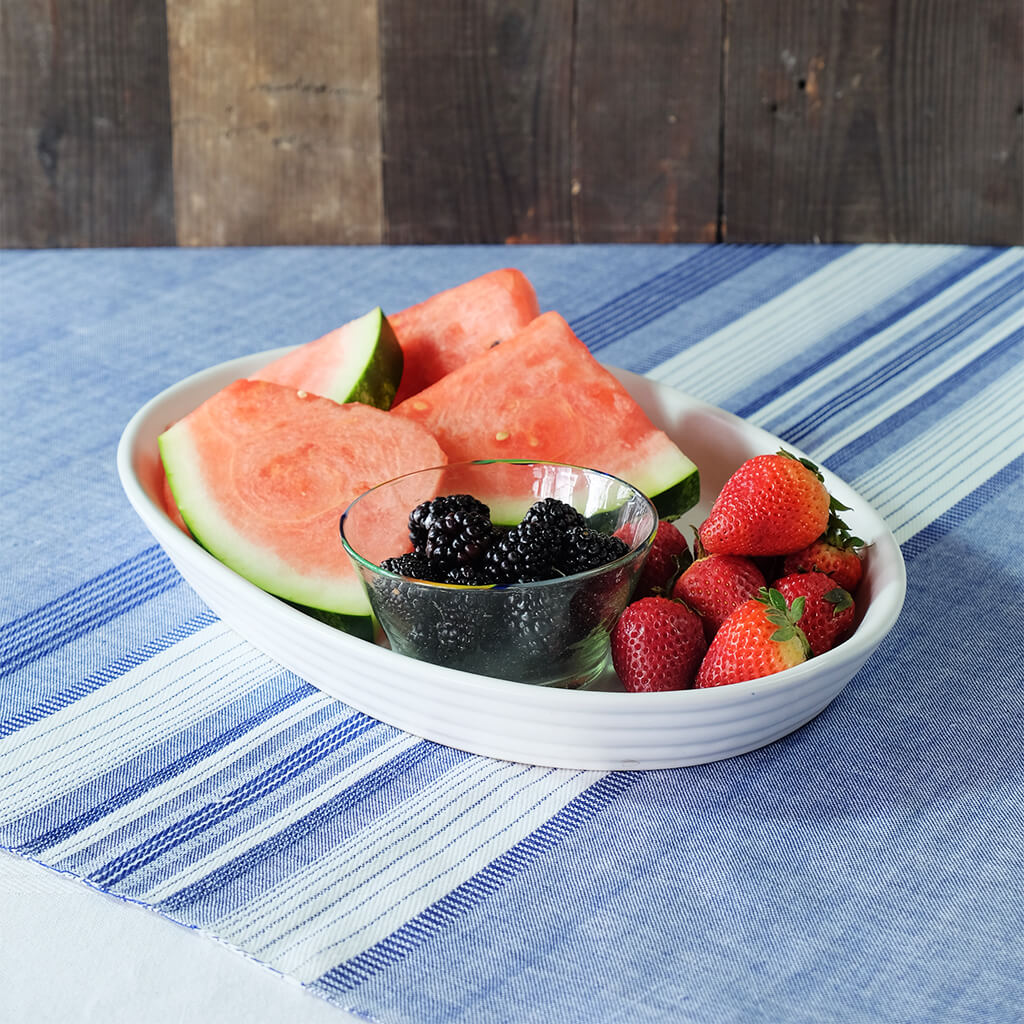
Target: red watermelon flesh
261, 474
454, 326
542, 396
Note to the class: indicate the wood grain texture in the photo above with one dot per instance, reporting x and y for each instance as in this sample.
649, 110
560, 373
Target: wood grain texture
85, 135
477, 120
646, 132
874, 120
234, 122
276, 121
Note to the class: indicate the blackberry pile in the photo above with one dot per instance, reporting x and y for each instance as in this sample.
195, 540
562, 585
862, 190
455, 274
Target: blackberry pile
454, 541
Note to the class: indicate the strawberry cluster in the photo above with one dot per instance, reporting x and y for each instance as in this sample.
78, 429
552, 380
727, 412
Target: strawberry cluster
770, 583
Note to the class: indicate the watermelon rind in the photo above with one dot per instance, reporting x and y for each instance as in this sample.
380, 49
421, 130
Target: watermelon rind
379, 370
672, 483
361, 361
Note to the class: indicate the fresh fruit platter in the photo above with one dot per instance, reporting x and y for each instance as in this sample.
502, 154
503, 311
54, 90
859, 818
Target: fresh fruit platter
243, 471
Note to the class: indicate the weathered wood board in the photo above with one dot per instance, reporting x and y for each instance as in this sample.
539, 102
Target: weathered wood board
85, 129
250, 122
275, 114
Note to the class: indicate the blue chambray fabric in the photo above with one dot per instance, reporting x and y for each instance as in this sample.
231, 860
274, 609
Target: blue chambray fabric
866, 868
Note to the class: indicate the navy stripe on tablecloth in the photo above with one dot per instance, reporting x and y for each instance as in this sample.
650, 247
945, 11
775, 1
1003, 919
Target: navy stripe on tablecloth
649, 301
86, 607
116, 870
929, 343
936, 284
104, 675
268, 699
574, 815
368, 788
956, 516
906, 413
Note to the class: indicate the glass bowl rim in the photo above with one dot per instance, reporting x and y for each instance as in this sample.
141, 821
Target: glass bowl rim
646, 542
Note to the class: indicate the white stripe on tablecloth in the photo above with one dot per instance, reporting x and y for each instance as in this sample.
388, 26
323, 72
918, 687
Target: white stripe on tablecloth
925, 478
118, 721
365, 890
166, 792
835, 439
951, 301
269, 917
257, 830
741, 352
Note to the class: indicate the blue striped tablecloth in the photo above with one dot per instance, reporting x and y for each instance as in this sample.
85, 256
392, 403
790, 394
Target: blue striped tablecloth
866, 868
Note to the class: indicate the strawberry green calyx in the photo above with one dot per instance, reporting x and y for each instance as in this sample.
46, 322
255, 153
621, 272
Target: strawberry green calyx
837, 533
806, 463
785, 616
839, 598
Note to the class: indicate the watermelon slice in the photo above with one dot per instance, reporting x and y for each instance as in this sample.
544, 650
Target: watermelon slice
261, 474
543, 396
456, 325
360, 361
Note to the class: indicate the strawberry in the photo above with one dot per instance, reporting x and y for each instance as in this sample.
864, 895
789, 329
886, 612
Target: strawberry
835, 552
842, 564
828, 608
714, 585
668, 554
761, 637
657, 644
771, 505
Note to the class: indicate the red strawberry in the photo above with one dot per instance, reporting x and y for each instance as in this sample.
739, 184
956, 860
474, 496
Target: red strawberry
835, 552
760, 638
828, 608
657, 644
842, 564
715, 585
771, 505
668, 554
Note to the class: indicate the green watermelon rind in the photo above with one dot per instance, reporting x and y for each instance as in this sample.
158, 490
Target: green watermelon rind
677, 498
381, 371
367, 363
251, 561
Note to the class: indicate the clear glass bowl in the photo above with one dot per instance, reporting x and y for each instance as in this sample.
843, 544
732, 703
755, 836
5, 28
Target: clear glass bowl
549, 633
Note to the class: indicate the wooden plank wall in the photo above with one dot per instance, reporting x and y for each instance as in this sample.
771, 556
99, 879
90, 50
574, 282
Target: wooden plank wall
199, 122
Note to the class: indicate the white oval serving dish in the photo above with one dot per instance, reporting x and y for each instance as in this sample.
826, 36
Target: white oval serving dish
603, 729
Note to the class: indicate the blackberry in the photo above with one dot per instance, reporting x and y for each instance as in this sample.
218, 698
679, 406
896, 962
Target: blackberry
415, 565
455, 636
535, 624
587, 549
401, 609
458, 538
557, 514
524, 554
423, 515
